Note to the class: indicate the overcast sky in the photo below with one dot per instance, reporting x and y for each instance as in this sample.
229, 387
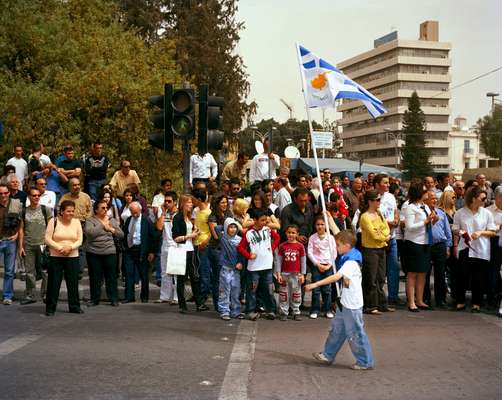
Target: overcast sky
337, 30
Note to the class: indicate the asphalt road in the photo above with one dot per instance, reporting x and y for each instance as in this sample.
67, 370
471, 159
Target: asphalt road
150, 351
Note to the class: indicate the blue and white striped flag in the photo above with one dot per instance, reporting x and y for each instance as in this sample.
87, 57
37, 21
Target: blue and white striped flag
325, 83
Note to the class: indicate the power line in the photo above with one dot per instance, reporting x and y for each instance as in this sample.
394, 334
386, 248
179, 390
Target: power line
470, 80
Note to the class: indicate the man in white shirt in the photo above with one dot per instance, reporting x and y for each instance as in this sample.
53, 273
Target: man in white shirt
20, 164
388, 208
158, 200
264, 165
47, 197
282, 197
203, 168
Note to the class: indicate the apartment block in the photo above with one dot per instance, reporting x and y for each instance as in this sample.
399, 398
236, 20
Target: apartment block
392, 70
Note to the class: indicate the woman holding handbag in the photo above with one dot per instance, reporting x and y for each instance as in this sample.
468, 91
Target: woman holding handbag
184, 232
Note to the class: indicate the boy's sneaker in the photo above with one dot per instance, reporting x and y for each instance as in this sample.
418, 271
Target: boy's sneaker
252, 316
225, 317
7, 302
240, 316
297, 317
330, 315
283, 317
358, 367
270, 316
321, 358
313, 315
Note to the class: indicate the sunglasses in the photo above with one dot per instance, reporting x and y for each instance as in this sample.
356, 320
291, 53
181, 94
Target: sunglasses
377, 200
482, 198
34, 195
4, 193
168, 201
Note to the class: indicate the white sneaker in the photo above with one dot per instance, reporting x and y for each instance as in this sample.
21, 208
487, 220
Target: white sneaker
358, 367
313, 315
330, 315
321, 358
7, 302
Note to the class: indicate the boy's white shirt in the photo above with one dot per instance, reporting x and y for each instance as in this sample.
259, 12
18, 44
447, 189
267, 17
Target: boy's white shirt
352, 297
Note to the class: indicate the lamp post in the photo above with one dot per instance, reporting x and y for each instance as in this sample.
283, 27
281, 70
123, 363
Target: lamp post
395, 135
492, 95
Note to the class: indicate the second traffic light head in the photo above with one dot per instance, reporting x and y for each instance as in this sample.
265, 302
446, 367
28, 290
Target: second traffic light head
183, 113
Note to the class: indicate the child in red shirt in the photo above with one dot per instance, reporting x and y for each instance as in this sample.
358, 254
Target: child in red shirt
290, 269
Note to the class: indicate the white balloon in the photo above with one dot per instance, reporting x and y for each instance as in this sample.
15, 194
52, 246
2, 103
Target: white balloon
291, 152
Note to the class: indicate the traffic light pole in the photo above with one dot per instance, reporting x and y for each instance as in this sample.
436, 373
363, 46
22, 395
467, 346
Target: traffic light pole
186, 166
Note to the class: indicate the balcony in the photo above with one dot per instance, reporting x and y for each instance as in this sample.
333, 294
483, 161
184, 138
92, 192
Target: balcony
468, 152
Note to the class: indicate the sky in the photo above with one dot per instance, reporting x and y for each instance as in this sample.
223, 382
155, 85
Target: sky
337, 30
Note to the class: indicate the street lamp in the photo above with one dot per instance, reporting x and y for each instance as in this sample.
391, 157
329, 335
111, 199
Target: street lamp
492, 95
396, 135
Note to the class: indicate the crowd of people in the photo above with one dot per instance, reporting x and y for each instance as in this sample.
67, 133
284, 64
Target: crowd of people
237, 241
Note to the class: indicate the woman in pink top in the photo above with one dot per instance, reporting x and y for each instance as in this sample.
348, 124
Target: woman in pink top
63, 237
322, 266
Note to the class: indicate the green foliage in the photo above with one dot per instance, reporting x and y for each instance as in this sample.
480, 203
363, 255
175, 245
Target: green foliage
415, 154
70, 71
291, 129
206, 34
490, 130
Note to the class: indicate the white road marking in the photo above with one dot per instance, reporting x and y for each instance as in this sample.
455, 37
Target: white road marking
16, 343
237, 375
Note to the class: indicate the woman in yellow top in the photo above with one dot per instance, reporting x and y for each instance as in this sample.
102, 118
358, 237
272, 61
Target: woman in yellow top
375, 234
63, 237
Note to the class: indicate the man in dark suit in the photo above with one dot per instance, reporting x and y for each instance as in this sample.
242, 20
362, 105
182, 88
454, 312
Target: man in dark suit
140, 244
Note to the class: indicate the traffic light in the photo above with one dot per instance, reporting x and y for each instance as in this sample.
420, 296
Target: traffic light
210, 121
183, 113
162, 133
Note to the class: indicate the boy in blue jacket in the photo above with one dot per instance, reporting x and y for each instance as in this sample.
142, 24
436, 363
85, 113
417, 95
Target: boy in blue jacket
229, 305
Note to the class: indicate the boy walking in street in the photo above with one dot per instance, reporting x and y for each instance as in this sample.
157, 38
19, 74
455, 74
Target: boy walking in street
348, 322
290, 269
258, 246
229, 305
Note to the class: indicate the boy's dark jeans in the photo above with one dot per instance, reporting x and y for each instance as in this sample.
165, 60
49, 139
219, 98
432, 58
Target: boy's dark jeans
260, 281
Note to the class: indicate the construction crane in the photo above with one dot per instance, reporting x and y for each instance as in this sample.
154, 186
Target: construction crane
289, 107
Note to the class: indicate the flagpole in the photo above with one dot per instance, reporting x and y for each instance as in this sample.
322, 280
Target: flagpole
314, 150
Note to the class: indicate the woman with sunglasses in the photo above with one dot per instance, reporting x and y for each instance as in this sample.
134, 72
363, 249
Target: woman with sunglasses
473, 226
100, 232
375, 235
418, 221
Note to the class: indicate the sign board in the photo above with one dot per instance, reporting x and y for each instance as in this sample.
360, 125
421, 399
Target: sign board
323, 140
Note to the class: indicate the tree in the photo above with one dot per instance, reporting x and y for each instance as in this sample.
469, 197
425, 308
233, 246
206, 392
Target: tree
490, 131
291, 129
70, 71
206, 34
415, 155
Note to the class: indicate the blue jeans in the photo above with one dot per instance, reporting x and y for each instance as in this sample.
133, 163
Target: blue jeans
324, 290
230, 288
93, 187
8, 249
209, 267
260, 281
348, 325
392, 271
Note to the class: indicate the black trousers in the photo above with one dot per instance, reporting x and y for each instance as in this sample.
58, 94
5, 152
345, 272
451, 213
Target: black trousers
134, 262
193, 274
476, 269
493, 279
103, 265
68, 267
438, 259
374, 273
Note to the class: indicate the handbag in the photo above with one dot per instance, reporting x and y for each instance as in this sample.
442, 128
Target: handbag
176, 261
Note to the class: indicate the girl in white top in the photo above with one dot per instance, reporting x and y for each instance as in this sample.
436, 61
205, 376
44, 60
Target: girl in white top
473, 226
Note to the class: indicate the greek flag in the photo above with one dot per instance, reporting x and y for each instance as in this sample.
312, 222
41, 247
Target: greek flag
325, 83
